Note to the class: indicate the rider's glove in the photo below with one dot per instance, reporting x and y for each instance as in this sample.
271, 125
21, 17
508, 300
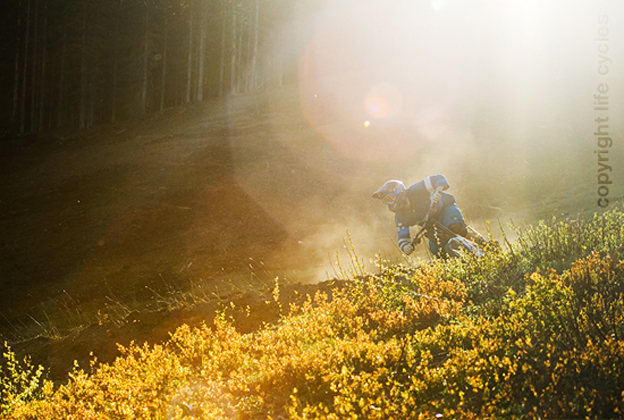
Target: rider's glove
407, 248
436, 196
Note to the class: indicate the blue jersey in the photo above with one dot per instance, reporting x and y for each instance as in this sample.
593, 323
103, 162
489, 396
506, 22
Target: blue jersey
420, 202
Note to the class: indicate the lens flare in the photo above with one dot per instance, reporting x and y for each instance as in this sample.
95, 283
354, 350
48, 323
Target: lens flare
397, 64
383, 100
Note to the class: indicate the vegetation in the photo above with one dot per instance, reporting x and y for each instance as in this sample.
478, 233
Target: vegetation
533, 330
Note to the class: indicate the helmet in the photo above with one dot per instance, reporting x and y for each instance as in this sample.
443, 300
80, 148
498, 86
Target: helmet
392, 193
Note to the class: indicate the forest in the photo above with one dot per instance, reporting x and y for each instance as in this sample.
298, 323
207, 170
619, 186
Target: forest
79, 63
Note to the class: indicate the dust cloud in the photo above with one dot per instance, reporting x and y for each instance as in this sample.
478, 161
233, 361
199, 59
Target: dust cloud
497, 96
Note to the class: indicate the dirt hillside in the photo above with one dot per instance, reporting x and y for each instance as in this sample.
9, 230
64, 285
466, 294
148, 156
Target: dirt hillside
210, 201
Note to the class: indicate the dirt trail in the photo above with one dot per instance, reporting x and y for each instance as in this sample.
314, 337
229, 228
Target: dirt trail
222, 197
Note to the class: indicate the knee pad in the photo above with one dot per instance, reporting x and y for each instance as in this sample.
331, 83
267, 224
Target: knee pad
458, 229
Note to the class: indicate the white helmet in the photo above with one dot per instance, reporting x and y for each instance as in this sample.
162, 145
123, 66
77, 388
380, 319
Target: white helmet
392, 193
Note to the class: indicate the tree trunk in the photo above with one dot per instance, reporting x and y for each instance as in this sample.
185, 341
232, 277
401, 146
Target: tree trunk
202, 45
189, 71
239, 53
44, 55
82, 120
254, 54
92, 103
146, 45
61, 90
115, 80
163, 79
35, 71
16, 78
25, 71
248, 49
223, 32
233, 52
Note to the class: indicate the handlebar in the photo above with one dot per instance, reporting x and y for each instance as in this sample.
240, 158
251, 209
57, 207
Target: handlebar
427, 223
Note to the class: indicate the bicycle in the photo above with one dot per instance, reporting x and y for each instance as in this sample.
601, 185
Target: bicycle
449, 243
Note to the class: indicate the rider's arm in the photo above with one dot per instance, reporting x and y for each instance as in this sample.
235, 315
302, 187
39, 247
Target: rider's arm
436, 183
405, 240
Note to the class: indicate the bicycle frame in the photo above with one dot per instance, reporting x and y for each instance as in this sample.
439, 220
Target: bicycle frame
442, 236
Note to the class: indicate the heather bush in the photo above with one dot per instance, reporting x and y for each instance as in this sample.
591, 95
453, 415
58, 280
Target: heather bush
20, 382
533, 330
555, 352
548, 245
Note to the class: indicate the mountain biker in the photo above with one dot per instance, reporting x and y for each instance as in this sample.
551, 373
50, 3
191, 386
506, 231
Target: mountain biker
412, 205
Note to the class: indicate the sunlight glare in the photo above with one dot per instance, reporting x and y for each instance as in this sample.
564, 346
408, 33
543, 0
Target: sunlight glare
437, 5
401, 65
383, 100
